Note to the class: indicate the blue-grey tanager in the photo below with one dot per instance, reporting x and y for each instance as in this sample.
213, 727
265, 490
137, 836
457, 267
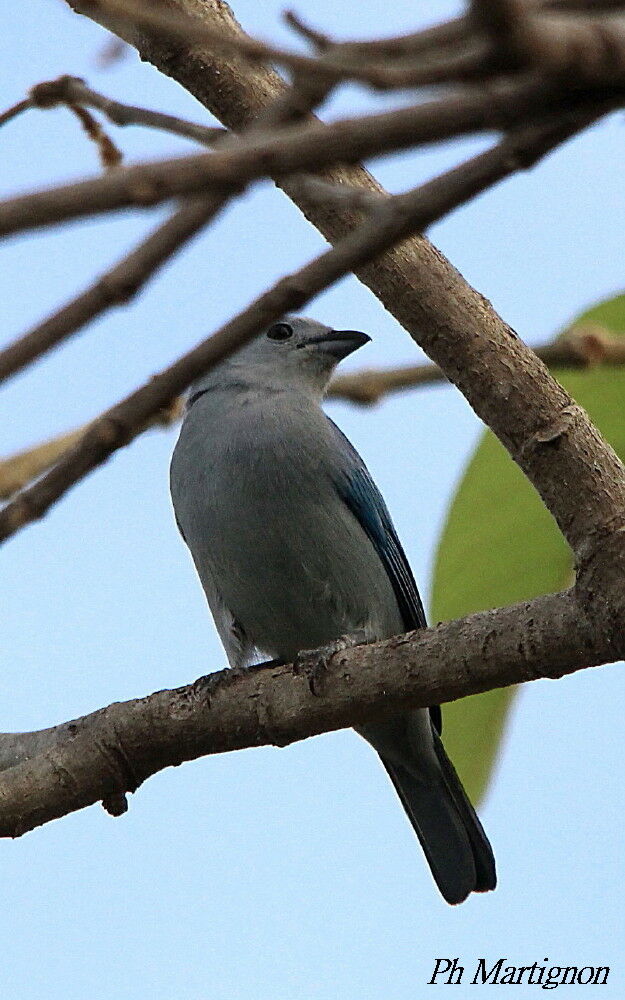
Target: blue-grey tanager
295, 548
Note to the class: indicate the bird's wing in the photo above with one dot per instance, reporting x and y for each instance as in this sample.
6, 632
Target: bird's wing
358, 490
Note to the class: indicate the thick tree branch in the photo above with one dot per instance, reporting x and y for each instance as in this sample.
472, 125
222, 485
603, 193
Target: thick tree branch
115, 749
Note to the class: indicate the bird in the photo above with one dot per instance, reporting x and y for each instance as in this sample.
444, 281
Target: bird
295, 549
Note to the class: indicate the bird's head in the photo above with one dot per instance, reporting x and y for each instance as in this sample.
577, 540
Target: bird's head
294, 354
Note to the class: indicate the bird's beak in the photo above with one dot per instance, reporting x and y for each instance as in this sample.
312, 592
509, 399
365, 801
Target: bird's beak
340, 343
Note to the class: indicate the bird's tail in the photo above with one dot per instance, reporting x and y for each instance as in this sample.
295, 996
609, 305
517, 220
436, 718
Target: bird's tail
451, 835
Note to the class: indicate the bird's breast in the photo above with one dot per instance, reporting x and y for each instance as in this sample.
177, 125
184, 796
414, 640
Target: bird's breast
267, 525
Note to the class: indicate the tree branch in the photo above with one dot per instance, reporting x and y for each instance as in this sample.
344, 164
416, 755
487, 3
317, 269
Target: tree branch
114, 750
584, 346
578, 475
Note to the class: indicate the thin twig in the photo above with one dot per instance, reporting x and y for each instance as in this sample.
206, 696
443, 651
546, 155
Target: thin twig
434, 38
445, 53
71, 90
15, 110
110, 155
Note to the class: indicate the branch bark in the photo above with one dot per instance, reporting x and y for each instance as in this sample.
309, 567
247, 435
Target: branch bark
101, 756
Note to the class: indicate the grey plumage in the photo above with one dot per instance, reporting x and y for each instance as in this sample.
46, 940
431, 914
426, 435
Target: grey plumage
294, 548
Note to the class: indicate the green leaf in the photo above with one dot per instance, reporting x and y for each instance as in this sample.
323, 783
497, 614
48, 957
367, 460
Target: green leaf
501, 545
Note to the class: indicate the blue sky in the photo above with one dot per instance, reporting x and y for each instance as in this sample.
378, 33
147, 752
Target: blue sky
275, 873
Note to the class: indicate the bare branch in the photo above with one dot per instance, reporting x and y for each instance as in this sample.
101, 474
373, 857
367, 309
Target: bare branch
450, 33
15, 110
583, 346
444, 53
112, 751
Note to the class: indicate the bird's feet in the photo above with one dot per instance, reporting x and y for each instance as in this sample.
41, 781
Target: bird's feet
313, 663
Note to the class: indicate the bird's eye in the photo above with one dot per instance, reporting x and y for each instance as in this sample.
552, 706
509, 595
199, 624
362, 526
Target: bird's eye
280, 331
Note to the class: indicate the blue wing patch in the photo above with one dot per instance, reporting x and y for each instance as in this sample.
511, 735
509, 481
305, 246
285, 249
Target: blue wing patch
364, 499
359, 492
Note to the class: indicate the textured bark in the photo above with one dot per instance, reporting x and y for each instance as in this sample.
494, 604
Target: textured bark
117, 748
